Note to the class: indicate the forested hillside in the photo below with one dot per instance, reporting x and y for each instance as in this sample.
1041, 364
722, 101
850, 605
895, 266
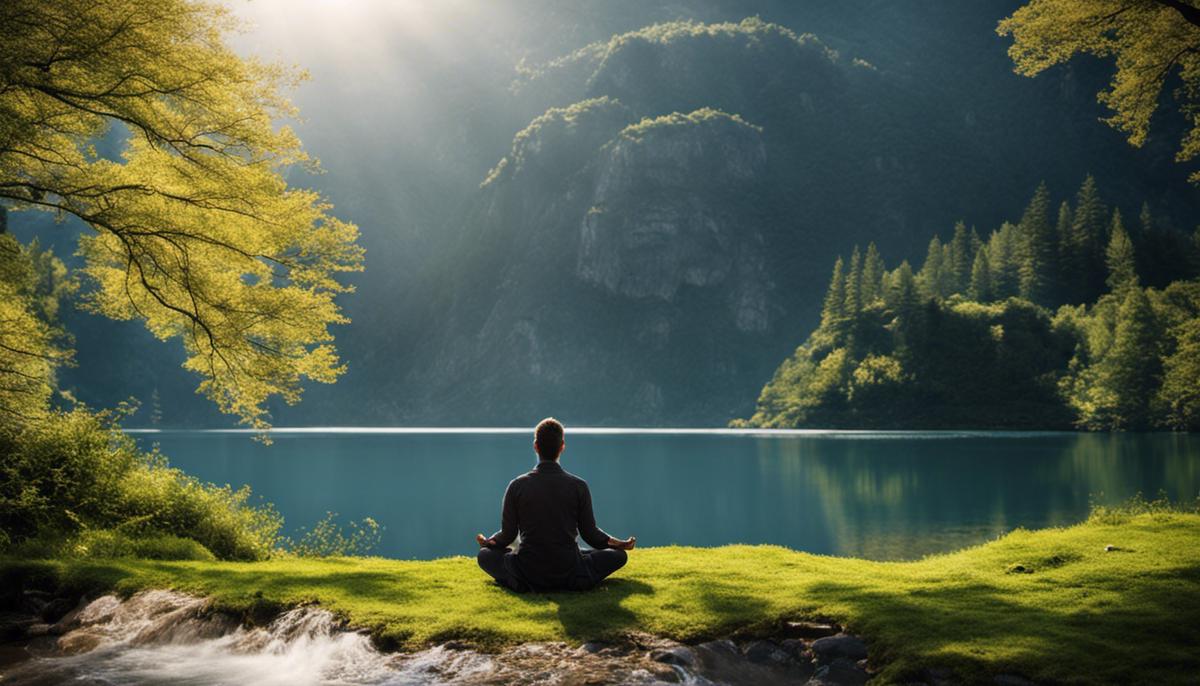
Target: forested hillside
624, 213
1069, 318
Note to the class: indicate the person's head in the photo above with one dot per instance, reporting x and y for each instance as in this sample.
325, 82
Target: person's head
548, 439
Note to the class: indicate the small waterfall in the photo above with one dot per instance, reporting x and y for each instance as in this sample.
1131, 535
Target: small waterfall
163, 637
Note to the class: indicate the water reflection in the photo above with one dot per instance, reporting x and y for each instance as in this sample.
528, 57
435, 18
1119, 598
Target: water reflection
882, 496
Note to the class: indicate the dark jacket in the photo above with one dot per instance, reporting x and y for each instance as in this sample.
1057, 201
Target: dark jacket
548, 506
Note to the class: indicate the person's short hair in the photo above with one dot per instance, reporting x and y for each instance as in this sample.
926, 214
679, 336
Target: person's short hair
548, 438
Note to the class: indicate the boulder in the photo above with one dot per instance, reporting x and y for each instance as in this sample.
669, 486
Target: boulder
768, 652
830, 648
679, 655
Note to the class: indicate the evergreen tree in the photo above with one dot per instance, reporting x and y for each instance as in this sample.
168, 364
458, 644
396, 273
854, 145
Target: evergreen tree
981, 278
959, 266
904, 293
1063, 233
854, 301
1002, 257
872, 275
1129, 373
1085, 271
1122, 264
930, 277
835, 298
1039, 251
1146, 220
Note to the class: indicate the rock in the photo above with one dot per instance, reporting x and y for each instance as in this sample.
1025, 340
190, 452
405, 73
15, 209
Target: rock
80, 641
33, 602
72, 619
679, 655
37, 629
593, 647
811, 629
722, 647
845, 646
797, 648
13, 625
56, 609
1012, 680
840, 672
767, 652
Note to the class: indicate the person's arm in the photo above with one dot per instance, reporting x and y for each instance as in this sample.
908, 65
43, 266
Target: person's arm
588, 531
508, 521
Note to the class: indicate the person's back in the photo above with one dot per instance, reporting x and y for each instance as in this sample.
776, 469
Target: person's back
548, 507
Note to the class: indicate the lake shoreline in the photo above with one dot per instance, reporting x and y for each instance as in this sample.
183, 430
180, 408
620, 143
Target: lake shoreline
1002, 608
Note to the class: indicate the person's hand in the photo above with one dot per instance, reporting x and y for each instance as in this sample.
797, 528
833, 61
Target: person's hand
626, 544
484, 541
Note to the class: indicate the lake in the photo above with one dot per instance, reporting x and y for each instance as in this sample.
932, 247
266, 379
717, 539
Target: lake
880, 495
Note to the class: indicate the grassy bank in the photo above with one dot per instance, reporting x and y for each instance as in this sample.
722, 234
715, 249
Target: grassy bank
1052, 605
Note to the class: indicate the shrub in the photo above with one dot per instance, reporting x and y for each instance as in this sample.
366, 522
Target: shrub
76, 472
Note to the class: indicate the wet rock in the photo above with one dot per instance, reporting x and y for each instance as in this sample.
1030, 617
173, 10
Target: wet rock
72, 619
593, 647
797, 648
81, 640
1011, 680
38, 629
811, 630
768, 652
678, 655
840, 672
845, 646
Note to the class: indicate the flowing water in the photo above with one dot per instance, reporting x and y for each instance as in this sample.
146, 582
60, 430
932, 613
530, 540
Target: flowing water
166, 638
881, 495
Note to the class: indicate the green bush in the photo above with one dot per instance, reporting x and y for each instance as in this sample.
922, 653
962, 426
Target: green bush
75, 473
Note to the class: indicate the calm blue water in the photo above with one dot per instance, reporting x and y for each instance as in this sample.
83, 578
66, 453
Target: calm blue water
882, 495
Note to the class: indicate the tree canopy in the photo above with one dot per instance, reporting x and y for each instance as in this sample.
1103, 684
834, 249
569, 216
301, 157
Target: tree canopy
1151, 41
196, 233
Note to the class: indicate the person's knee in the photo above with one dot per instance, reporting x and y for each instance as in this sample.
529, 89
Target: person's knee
619, 558
486, 558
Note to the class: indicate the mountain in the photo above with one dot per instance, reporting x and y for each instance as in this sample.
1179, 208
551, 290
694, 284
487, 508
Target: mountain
624, 213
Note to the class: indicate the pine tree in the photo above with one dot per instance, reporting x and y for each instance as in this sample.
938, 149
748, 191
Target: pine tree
872, 275
854, 300
1120, 258
1085, 272
981, 278
959, 266
835, 298
1002, 257
904, 293
1129, 373
1063, 232
1039, 251
930, 277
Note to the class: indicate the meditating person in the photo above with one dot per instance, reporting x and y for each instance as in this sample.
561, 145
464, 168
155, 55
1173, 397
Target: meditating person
549, 507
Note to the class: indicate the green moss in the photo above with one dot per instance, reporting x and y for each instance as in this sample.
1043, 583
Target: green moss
1077, 614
